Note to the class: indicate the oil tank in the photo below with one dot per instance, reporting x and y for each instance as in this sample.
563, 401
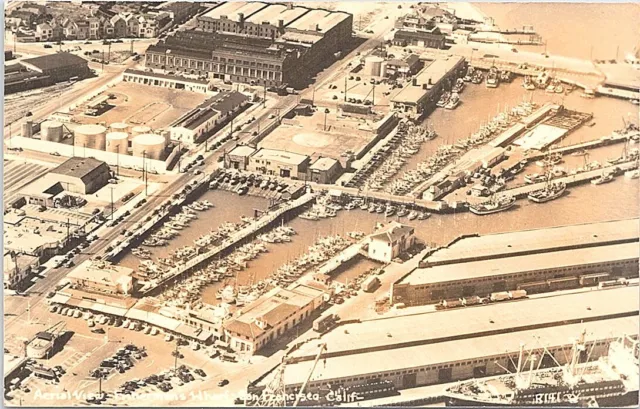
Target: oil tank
51, 131
119, 127
118, 142
167, 137
383, 69
373, 66
90, 136
148, 145
140, 130
27, 129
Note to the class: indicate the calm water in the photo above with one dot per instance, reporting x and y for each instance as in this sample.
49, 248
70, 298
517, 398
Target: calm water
574, 30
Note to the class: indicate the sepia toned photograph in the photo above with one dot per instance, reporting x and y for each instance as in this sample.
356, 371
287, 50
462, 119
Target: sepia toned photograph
321, 204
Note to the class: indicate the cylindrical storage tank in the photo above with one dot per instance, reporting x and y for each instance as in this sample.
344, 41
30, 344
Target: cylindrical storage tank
51, 131
119, 127
90, 136
383, 69
149, 145
167, 137
118, 142
372, 66
140, 130
27, 129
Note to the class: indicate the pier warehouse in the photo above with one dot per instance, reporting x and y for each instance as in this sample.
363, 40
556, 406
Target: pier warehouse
511, 261
431, 348
425, 89
257, 43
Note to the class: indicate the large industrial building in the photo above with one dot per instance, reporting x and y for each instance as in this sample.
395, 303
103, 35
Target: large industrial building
45, 70
259, 43
439, 347
511, 261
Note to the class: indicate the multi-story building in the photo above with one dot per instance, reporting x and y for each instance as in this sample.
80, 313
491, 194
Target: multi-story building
393, 240
100, 277
279, 163
17, 268
259, 43
271, 316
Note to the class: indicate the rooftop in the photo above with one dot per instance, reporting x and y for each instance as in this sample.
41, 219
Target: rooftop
452, 351
323, 164
78, 167
413, 329
55, 61
232, 10
164, 76
538, 240
242, 150
104, 274
392, 232
519, 264
280, 156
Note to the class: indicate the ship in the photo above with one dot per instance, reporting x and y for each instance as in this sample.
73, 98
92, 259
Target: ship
605, 178
611, 381
550, 192
494, 205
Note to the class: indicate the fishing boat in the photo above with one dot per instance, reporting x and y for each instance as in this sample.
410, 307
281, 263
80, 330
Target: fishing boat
494, 205
518, 168
390, 211
454, 101
469, 75
403, 211
604, 178
506, 76
444, 100
459, 86
478, 77
412, 215
550, 192
380, 209
632, 174
611, 381
493, 79
579, 152
424, 216
534, 178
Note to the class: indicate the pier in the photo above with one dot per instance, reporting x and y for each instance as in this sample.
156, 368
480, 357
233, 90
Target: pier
238, 237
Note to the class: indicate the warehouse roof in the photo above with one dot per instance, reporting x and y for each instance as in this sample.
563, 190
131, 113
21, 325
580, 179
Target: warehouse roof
323, 164
55, 61
228, 9
519, 264
164, 76
535, 241
414, 329
242, 150
289, 158
454, 351
79, 167
268, 14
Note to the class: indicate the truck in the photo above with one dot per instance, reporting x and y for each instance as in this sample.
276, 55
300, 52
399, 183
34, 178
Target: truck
370, 284
324, 323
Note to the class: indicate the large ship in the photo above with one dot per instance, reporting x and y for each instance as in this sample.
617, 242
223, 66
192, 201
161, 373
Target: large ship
494, 205
611, 381
550, 192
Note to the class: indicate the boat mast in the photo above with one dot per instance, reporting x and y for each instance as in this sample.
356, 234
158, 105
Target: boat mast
532, 360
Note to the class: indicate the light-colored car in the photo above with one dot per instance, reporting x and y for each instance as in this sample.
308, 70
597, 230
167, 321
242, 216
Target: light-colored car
70, 313
77, 314
154, 331
91, 324
168, 337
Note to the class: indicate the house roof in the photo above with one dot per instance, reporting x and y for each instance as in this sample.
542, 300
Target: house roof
55, 61
103, 274
393, 232
323, 164
289, 158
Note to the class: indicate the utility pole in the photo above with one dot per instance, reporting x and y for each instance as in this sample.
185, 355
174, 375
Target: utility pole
109, 52
144, 172
175, 362
345, 89
111, 187
313, 97
374, 95
131, 50
118, 160
102, 59
264, 97
67, 229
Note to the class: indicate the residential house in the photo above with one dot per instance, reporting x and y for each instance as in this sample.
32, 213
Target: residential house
132, 25
70, 29
391, 241
44, 32
147, 27
94, 29
83, 30
57, 31
119, 25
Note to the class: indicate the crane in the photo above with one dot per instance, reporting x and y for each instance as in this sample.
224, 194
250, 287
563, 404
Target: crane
323, 347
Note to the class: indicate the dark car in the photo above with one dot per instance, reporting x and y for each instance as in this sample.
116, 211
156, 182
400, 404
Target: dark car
200, 372
223, 382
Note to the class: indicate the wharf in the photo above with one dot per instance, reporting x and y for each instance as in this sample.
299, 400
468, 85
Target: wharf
264, 221
604, 141
342, 257
523, 190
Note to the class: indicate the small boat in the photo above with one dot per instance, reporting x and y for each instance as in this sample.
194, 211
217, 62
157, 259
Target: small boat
444, 100
605, 178
454, 101
534, 178
580, 152
424, 216
550, 192
412, 215
403, 211
632, 174
494, 205
390, 211
380, 209
492, 80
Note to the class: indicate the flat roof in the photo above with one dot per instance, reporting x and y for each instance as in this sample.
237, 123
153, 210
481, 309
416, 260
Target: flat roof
164, 76
267, 14
323, 164
280, 156
242, 150
460, 350
508, 243
55, 61
228, 9
77, 167
410, 94
309, 20
437, 69
518, 264
419, 328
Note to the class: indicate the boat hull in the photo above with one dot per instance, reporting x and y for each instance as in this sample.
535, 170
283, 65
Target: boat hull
483, 212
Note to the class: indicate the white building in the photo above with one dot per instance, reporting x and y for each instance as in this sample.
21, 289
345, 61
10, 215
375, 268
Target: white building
17, 268
101, 277
391, 241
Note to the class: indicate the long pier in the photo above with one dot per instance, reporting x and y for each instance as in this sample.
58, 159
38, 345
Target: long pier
239, 236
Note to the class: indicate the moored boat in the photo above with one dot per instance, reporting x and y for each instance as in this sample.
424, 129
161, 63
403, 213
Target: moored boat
550, 192
494, 205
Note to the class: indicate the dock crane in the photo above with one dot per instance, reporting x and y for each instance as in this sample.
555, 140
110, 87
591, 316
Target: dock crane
323, 347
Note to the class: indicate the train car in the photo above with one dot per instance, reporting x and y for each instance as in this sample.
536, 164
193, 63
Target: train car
472, 300
593, 279
613, 283
499, 296
563, 283
322, 324
534, 287
517, 294
452, 303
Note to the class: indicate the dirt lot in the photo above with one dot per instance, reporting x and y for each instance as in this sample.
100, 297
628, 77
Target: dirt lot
138, 104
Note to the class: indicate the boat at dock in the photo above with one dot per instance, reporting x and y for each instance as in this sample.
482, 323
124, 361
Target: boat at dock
534, 178
424, 216
494, 205
454, 101
459, 86
444, 99
493, 79
412, 215
579, 152
604, 178
550, 192
611, 381
632, 174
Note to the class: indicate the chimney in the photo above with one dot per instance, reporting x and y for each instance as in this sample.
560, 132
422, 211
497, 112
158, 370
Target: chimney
280, 24
414, 82
241, 18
